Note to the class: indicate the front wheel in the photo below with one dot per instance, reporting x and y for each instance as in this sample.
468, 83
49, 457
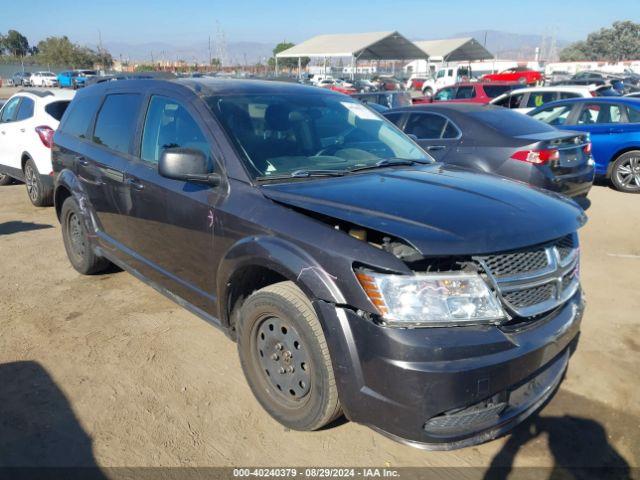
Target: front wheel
428, 92
625, 173
285, 357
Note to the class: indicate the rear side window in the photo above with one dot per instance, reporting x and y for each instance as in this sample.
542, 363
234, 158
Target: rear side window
537, 99
57, 109
493, 91
426, 126
600, 113
116, 121
565, 95
79, 116
465, 93
25, 110
633, 114
511, 101
445, 94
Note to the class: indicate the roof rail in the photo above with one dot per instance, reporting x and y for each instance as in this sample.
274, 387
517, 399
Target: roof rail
37, 93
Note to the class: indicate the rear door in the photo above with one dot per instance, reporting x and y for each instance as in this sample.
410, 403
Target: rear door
171, 222
101, 166
604, 121
436, 134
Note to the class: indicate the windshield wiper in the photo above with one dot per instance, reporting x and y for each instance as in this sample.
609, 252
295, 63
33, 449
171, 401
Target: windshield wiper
304, 174
390, 162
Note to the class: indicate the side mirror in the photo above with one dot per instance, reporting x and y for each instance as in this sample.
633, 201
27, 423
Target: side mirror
188, 165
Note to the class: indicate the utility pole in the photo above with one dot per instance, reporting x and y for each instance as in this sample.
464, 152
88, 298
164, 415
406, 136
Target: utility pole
210, 51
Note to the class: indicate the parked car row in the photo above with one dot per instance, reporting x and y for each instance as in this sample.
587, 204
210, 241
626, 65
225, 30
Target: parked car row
70, 78
328, 243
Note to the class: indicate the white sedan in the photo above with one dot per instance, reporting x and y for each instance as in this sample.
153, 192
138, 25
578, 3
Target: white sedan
44, 79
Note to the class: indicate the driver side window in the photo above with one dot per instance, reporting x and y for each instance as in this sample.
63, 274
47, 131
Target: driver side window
169, 125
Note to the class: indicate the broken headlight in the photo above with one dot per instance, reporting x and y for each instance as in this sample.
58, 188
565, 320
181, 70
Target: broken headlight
440, 299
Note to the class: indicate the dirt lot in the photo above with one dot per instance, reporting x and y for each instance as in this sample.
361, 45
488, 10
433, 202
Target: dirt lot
104, 370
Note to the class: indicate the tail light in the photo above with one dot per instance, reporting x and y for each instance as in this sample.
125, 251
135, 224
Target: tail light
593, 93
537, 157
46, 135
587, 149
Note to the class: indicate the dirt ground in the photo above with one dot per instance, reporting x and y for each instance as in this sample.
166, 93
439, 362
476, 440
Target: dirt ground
103, 370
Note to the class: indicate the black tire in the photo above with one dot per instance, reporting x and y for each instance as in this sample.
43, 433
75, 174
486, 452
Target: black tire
625, 172
39, 194
298, 388
76, 240
428, 92
5, 179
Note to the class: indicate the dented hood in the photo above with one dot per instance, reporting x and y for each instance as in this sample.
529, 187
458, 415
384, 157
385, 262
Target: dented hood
439, 210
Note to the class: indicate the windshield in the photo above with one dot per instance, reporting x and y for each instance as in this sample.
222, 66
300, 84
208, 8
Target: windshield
284, 134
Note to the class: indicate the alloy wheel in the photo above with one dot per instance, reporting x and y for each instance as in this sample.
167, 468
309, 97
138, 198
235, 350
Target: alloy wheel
628, 173
32, 183
283, 358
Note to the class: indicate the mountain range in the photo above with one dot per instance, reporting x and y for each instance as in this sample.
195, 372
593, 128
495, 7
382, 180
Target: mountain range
503, 45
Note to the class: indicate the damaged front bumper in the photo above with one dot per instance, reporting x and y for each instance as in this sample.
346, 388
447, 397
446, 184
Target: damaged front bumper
447, 388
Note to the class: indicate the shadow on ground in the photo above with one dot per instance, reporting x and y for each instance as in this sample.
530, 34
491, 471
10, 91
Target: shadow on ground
579, 444
38, 428
7, 228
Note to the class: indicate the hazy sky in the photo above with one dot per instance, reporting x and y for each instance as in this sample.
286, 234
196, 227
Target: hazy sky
192, 21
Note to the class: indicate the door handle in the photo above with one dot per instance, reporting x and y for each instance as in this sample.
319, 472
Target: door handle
22, 130
135, 184
82, 161
435, 147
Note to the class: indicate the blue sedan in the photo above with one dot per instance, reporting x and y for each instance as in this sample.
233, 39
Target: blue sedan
614, 126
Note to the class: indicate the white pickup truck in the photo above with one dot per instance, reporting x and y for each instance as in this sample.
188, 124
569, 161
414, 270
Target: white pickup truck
446, 76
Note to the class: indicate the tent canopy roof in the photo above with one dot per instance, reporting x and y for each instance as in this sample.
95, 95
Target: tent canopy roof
364, 46
455, 49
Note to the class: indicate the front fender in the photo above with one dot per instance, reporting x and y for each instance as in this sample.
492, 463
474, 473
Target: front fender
283, 257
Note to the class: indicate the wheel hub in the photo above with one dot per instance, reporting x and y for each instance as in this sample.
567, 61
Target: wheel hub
283, 358
32, 184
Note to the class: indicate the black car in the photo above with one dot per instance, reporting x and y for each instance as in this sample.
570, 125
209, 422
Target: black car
496, 140
357, 275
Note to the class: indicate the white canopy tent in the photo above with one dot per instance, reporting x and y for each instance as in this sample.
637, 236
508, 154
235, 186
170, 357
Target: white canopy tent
466, 49
358, 46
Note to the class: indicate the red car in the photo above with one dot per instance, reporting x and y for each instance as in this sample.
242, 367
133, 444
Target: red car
473, 92
343, 89
522, 75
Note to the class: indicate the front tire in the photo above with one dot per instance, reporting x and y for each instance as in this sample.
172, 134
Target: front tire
39, 194
428, 92
285, 358
76, 241
625, 172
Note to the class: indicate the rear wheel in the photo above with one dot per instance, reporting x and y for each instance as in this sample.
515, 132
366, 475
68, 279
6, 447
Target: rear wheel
285, 357
5, 179
625, 173
39, 194
76, 240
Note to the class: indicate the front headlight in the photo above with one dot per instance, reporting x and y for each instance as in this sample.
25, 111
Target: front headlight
442, 299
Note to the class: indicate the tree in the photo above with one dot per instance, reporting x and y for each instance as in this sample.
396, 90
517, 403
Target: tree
620, 42
287, 63
16, 43
61, 51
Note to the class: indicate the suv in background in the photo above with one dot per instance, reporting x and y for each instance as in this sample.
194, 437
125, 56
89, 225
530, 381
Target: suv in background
357, 275
474, 92
524, 100
27, 122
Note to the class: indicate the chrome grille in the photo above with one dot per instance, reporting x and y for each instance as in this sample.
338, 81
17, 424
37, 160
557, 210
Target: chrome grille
535, 280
